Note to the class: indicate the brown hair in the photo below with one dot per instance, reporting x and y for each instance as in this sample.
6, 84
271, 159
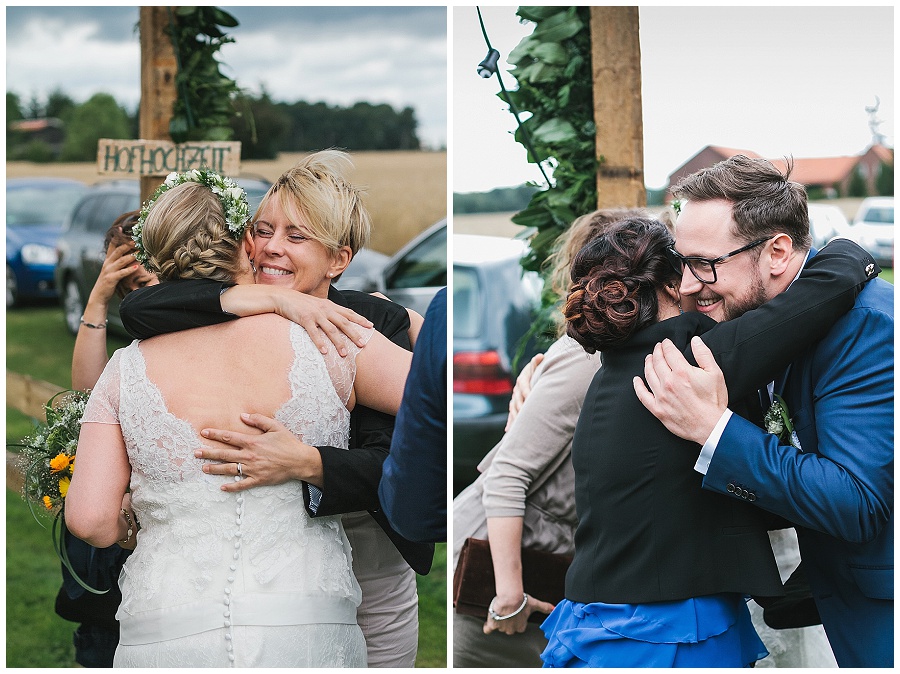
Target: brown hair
615, 279
117, 234
763, 201
583, 229
185, 236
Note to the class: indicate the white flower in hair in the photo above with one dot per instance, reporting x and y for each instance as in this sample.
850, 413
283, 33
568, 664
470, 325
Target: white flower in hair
230, 194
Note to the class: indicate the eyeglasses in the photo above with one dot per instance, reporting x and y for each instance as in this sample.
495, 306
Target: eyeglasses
703, 268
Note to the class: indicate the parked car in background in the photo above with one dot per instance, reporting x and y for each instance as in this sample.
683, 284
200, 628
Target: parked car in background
826, 221
80, 246
873, 228
35, 211
410, 277
494, 305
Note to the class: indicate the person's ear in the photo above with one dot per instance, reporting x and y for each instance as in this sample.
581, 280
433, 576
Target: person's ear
249, 245
780, 250
673, 291
339, 261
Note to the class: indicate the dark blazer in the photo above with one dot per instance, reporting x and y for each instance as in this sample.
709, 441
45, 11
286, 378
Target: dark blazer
350, 477
838, 488
413, 487
646, 531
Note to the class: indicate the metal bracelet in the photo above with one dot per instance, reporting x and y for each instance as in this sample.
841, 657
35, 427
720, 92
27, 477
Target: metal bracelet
101, 326
497, 616
130, 526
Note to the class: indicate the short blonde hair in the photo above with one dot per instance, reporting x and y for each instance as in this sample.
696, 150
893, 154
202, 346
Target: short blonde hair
331, 208
185, 236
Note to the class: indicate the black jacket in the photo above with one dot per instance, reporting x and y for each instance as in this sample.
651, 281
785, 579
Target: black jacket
647, 531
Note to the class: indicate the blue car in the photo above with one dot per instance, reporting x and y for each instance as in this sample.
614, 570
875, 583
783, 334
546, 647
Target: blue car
35, 211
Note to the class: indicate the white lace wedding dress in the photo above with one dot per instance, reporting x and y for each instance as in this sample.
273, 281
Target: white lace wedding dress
224, 579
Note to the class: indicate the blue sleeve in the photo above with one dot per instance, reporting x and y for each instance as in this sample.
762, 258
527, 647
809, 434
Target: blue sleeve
413, 488
841, 482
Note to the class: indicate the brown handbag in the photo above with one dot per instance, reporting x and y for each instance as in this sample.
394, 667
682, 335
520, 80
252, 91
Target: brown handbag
543, 577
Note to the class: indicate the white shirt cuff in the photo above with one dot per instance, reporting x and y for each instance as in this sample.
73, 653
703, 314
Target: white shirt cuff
709, 447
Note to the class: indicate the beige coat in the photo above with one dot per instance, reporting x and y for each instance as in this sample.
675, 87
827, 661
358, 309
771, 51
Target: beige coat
529, 472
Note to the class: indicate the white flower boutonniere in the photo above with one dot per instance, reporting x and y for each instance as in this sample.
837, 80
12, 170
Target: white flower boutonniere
778, 423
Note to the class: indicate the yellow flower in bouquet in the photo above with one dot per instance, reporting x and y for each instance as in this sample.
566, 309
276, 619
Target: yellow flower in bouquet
48, 460
60, 462
48, 454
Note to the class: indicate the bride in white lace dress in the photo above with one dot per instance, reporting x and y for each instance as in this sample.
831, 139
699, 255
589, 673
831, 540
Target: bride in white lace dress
222, 578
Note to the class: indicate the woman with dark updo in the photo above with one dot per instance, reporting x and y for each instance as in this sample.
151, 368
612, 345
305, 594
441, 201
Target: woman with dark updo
663, 568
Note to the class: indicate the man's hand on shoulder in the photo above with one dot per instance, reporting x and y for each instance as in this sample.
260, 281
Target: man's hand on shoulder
687, 400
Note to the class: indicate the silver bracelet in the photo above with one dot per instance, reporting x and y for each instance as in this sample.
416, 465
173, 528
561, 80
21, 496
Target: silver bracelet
497, 616
102, 326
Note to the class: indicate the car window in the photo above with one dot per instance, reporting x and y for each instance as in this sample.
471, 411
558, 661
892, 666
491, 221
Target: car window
466, 303
110, 208
423, 266
883, 215
36, 205
83, 213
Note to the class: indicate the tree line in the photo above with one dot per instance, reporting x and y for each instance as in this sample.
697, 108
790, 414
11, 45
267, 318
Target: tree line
70, 130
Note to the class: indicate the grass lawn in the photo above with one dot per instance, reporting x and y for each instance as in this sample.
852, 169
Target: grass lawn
38, 344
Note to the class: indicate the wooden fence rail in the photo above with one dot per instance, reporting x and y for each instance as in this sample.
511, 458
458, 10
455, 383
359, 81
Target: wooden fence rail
27, 395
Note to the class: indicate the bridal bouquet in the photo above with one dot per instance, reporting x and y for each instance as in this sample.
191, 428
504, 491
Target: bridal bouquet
48, 454
48, 461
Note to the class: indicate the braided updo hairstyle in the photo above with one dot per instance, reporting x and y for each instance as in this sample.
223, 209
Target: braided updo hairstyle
615, 279
185, 236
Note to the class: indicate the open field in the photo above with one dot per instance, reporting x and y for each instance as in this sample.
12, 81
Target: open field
406, 192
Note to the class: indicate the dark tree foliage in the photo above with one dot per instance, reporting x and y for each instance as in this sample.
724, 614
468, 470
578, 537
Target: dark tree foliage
363, 126
499, 200
884, 183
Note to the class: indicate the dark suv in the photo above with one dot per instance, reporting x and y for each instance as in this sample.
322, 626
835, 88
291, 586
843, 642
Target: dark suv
80, 247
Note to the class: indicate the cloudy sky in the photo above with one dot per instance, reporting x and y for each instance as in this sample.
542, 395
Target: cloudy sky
340, 55
776, 80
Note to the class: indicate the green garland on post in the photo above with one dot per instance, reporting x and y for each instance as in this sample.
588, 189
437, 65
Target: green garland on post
553, 71
204, 105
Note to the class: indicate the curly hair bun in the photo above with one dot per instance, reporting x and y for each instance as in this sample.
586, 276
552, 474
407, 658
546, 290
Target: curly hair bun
615, 281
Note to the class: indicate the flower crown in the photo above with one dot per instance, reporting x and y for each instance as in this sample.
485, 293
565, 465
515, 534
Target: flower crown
232, 196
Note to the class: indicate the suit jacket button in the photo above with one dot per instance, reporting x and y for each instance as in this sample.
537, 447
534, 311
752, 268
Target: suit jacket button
743, 493
730, 488
751, 497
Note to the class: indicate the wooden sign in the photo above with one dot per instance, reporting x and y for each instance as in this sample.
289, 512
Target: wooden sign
160, 157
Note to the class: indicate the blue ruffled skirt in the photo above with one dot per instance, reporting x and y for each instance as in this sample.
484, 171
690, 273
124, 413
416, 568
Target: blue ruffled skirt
710, 631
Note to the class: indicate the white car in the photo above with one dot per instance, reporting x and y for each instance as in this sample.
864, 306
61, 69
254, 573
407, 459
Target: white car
873, 228
826, 221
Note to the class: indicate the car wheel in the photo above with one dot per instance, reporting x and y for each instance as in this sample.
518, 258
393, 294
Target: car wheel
12, 287
73, 306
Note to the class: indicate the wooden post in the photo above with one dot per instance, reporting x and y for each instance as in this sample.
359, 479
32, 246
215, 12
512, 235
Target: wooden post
616, 63
158, 94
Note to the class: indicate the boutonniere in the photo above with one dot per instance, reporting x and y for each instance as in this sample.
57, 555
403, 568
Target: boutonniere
778, 423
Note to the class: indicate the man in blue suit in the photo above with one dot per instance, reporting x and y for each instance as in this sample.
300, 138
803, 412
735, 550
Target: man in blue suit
413, 488
833, 475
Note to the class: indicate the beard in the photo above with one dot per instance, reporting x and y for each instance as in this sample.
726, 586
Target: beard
754, 298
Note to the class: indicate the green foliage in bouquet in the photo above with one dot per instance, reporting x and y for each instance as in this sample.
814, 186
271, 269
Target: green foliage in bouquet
48, 462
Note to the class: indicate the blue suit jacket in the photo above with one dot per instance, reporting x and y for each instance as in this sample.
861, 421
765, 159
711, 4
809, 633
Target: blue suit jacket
839, 489
413, 489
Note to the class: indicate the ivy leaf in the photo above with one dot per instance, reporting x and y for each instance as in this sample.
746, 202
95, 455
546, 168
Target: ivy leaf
539, 13
558, 27
223, 18
554, 130
551, 53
